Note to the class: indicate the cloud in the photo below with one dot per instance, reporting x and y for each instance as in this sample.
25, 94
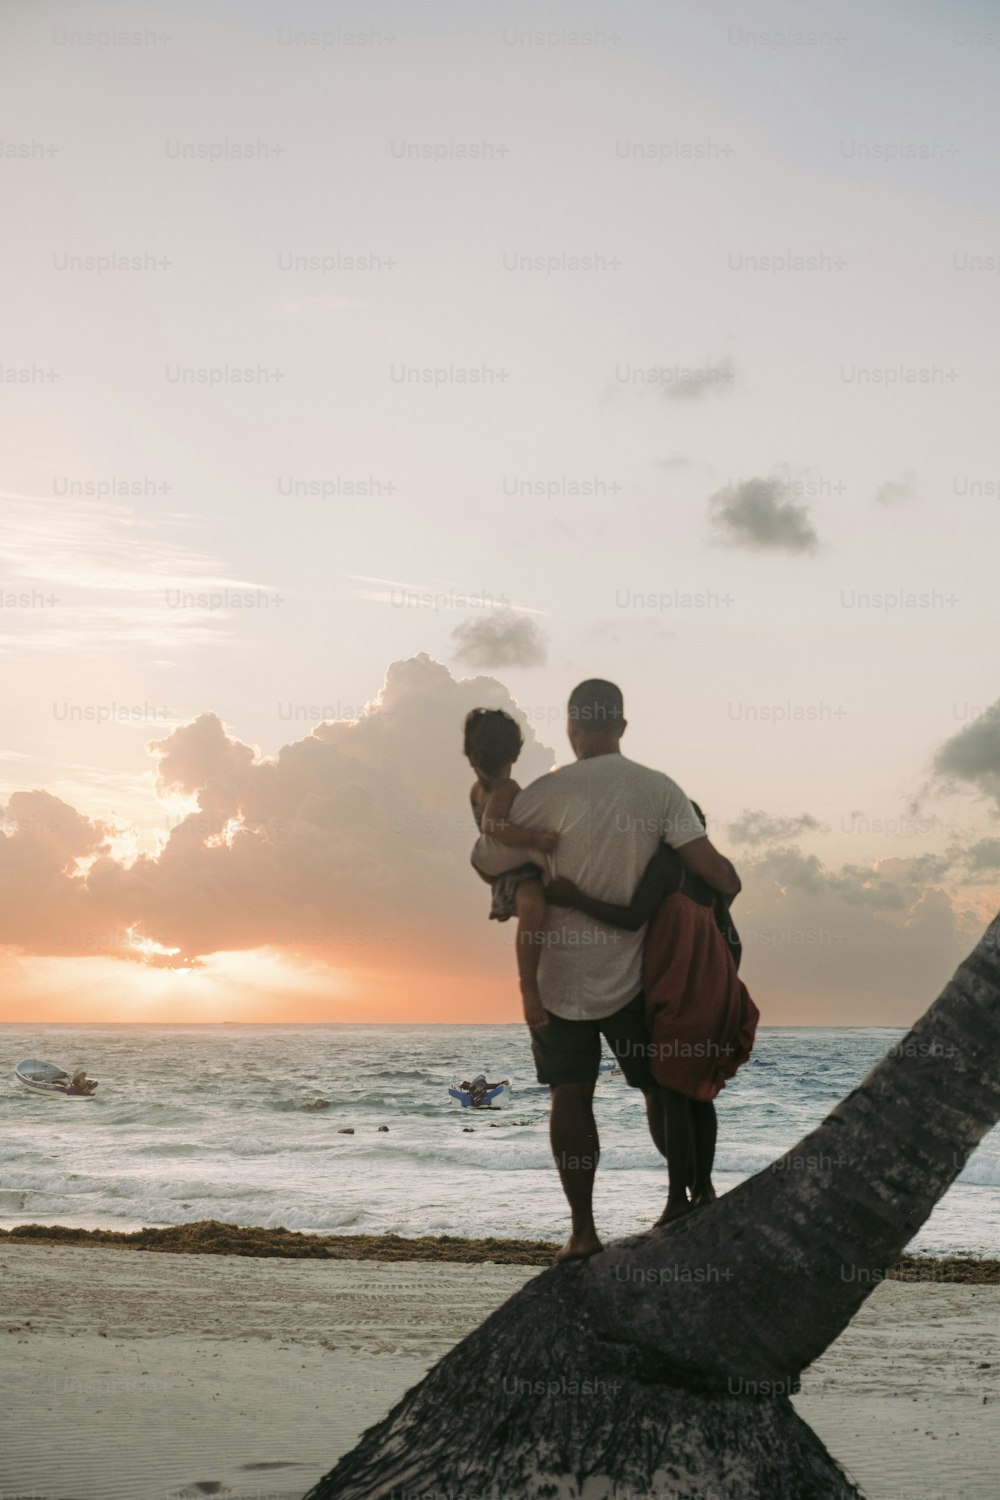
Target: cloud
354, 839
983, 858
896, 489
500, 639
762, 828
758, 513
44, 848
101, 575
789, 868
894, 882
865, 944
53, 835
691, 384
672, 382
972, 756
347, 854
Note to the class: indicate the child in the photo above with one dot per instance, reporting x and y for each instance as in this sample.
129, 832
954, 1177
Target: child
701, 1019
493, 741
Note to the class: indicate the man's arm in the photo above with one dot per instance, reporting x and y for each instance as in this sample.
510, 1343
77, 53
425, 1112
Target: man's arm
685, 832
702, 857
498, 824
660, 879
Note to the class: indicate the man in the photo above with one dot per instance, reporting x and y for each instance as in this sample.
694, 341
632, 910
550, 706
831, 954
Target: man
612, 814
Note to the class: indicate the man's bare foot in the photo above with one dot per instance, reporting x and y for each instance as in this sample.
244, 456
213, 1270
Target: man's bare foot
700, 1197
579, 1247
676, 1209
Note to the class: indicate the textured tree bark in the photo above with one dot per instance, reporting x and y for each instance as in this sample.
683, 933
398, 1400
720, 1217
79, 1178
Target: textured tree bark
663, 1367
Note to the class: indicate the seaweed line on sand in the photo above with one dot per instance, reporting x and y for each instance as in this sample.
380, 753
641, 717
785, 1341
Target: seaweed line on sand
212, 1237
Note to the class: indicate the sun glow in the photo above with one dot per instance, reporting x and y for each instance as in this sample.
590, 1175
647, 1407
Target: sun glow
249, 986
147, 946
224, 839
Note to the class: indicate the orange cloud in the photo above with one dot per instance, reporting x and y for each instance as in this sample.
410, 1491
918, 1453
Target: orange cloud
332, 882
350, 848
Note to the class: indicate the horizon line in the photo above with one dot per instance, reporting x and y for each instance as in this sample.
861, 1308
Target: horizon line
772, 1026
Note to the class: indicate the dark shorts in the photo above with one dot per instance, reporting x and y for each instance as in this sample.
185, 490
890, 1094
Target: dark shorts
570, 1051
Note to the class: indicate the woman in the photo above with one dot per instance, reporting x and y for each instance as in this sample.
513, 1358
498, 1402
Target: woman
701, 1019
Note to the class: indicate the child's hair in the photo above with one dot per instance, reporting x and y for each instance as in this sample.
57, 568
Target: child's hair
492, 739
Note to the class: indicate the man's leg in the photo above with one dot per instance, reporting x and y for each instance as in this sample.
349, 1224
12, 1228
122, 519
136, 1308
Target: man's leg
627, 1034
575, 1146
567, 1054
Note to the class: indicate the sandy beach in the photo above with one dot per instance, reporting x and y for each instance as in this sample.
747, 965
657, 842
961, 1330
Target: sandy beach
129, 1375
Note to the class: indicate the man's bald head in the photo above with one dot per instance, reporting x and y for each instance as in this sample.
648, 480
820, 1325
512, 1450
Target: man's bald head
595, 718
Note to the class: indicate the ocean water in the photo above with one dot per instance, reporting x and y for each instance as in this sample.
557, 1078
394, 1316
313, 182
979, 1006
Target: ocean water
240, 1123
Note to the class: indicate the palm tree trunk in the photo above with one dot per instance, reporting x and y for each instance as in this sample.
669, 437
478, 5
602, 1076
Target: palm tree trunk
663, 1366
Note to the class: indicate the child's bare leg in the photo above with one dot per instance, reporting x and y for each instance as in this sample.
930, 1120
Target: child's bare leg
532, 916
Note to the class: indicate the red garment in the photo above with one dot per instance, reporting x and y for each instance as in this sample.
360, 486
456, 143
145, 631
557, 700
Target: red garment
701, 1019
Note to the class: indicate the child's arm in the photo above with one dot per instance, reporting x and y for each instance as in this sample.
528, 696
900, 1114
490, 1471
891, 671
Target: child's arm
497, 825
660, 878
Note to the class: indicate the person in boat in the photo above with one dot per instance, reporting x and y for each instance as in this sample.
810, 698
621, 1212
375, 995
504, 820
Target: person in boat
80, 1083
478, 1088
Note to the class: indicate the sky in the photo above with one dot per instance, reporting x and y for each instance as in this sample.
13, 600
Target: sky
361, 365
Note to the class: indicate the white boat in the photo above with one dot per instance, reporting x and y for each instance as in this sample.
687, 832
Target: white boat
46, 1078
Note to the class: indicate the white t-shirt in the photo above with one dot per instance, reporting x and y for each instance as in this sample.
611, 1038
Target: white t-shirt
612, 815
